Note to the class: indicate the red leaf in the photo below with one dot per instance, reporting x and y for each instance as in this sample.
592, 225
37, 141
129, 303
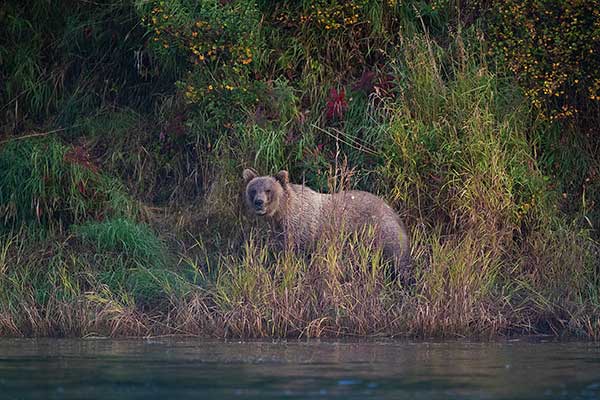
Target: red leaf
336, 104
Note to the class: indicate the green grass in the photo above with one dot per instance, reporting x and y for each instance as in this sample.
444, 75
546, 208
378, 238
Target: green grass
122, 235
47, 183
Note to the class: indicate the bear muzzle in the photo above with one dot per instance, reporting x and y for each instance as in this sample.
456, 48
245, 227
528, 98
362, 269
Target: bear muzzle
259, 207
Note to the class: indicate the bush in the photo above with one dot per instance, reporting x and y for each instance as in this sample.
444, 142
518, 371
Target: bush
552, 48
215, 44
324, 40
452, 147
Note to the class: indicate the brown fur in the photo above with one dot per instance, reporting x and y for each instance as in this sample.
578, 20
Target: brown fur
304, 215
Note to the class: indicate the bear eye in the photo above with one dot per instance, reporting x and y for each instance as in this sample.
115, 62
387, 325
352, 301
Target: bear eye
252, 193
268, 192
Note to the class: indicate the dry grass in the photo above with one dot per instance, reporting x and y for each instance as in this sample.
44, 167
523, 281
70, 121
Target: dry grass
462, 289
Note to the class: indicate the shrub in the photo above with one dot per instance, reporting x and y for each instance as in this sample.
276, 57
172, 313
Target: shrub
215, 44
324, 39
552, 48
456, 151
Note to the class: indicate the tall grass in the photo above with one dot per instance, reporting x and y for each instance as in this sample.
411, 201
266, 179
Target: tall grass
64, 61
65, 286
339, 290
47, 183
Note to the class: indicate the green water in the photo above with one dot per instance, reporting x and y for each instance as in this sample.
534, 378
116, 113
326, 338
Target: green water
200, 369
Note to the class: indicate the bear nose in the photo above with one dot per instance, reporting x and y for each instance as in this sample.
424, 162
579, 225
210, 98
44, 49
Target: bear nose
259, 202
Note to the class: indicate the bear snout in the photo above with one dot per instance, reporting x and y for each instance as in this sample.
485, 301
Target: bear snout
259, 206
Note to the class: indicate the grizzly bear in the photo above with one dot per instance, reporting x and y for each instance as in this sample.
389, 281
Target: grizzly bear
303, 216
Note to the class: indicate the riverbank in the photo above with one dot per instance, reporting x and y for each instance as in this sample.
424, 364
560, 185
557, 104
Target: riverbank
68, 286
120, 184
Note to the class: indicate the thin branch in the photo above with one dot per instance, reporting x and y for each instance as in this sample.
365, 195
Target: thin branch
352, 142
37, 134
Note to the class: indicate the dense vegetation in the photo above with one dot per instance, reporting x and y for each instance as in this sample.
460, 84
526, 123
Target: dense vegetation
126, 125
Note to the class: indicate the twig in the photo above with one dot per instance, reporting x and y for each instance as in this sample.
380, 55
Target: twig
33, 135
354, 143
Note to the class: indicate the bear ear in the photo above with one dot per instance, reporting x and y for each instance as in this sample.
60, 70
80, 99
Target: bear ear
248, 175
283, 177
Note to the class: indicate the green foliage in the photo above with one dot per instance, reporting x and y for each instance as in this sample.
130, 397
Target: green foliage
142, 260
47, 183
325, 38
59, 286
552, 48
150, 286
113, 125
570, 161
216, 43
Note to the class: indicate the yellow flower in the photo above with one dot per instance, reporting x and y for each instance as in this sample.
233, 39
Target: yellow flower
210, 87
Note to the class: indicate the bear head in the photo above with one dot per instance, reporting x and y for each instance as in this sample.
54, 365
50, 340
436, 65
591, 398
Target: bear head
264, 193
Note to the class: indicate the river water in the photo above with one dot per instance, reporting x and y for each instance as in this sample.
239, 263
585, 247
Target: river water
200, 369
